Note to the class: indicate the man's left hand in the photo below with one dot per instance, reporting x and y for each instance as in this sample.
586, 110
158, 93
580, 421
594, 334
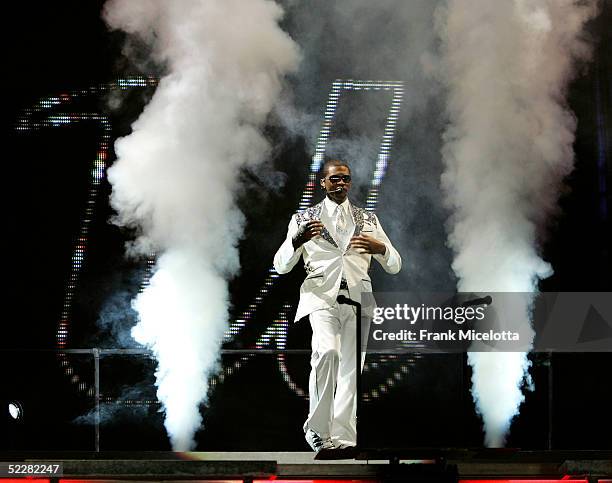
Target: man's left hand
368, 244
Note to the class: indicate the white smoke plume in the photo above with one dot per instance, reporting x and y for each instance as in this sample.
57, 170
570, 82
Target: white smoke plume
506, 65
176, 176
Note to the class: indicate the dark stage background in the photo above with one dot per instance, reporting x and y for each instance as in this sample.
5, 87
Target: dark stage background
257, 402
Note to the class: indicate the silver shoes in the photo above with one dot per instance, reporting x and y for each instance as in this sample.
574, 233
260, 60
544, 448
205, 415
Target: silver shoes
318, 442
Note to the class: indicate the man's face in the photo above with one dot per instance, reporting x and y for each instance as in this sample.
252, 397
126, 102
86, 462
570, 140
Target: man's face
336, 183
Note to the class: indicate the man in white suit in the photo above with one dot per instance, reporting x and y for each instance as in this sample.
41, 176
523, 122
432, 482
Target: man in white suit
337, 241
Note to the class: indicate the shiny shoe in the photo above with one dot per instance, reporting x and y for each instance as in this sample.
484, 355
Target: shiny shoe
345, 451
318, 442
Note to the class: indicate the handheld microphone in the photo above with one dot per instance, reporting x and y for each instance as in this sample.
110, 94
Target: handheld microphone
343, 299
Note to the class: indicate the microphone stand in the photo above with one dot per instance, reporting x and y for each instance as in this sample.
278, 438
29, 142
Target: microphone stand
343, 299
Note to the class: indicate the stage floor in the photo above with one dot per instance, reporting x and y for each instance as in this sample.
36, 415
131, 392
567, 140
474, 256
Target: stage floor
449, 465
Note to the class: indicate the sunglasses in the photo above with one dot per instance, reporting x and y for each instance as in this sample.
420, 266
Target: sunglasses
337, 177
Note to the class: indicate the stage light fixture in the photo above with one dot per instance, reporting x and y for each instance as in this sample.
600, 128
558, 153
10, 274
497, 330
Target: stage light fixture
15, 410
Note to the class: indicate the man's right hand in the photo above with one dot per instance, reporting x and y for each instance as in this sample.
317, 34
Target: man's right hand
307, 231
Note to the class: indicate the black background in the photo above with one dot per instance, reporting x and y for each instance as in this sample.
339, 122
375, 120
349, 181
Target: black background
58, 47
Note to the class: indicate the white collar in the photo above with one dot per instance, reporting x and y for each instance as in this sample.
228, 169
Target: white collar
331, 206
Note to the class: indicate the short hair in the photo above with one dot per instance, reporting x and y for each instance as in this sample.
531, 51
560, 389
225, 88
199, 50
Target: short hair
333, 162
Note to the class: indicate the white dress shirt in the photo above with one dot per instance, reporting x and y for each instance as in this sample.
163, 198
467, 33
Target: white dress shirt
329, 219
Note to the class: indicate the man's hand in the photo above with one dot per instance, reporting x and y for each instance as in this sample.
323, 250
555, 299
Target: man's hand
307, 231
368, 244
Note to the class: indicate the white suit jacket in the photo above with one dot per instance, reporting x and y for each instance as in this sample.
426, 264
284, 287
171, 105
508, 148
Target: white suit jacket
326, 264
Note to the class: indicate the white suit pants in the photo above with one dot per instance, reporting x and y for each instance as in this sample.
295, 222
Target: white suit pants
332, 384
